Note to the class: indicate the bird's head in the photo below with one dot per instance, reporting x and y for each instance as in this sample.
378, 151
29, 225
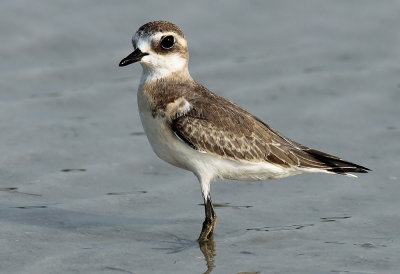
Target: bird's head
161, 48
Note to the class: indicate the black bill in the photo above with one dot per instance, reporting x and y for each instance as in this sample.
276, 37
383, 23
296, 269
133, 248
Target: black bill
135, 56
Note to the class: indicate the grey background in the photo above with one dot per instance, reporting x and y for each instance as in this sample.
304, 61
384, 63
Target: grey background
82, 192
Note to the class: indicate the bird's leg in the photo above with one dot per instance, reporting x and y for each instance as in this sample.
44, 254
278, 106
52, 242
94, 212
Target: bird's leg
209, 221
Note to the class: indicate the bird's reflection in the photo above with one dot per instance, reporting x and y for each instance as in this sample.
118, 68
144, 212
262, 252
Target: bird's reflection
208, 249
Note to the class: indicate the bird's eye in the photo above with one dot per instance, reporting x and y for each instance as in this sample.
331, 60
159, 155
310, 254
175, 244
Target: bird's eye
167, 42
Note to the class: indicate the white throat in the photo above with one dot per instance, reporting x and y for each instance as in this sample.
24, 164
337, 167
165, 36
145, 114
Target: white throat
173, 65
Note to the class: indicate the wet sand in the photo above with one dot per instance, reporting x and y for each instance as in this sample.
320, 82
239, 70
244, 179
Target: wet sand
82, 192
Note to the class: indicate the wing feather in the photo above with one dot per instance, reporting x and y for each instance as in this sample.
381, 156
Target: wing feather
223, 128
217, 126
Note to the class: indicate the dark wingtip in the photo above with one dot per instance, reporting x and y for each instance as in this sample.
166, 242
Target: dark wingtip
344, 170
336, 164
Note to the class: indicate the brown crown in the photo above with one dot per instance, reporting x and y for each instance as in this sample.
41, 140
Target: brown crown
159, 26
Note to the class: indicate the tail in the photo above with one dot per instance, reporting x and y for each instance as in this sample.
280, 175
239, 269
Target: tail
337, 165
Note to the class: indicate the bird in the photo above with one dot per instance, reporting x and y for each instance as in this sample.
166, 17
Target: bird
195, 129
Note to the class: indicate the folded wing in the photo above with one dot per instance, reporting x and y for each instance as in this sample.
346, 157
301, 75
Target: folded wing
217, 126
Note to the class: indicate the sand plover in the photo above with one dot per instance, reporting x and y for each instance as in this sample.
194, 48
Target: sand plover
193, 128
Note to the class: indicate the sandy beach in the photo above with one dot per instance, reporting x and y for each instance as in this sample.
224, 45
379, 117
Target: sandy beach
81, 190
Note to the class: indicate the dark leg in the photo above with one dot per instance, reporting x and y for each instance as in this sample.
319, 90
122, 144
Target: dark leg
209, 222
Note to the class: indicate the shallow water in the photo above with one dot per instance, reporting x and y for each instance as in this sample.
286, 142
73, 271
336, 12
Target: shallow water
82, 192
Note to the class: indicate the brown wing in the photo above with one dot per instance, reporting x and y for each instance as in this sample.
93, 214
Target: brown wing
218, 126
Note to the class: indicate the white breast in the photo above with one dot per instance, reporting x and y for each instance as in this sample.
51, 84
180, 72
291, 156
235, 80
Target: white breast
163, 141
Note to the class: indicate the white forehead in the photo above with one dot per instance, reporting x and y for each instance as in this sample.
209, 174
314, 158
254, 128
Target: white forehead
143, 42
